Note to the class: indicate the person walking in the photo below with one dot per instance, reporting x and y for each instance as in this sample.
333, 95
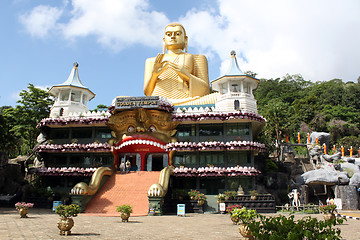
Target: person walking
128, 166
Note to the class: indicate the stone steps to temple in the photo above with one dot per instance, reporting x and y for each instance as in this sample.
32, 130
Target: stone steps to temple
121, 189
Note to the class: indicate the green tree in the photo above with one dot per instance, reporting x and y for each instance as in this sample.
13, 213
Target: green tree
21, 121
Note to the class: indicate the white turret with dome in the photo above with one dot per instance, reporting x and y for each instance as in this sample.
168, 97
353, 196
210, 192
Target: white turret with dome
236, 89
71, 96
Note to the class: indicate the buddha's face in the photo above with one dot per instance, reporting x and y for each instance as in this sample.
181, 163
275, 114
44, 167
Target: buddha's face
174, 38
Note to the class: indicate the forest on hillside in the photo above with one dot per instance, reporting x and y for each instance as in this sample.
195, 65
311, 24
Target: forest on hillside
290, 104
293, 105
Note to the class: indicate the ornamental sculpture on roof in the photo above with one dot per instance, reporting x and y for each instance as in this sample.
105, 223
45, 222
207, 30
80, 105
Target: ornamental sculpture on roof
177, 75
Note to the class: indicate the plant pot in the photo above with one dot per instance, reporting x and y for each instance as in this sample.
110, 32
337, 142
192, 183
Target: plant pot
201, 202
245, 231
234, 219
328, 216
23, 212
125, 217
253, 197
65, 224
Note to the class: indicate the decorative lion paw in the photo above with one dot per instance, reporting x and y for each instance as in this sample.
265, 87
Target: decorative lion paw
79, 189
156, 190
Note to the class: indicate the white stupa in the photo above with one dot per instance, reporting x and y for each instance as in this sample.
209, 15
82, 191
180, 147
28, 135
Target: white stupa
71, 96
236, 89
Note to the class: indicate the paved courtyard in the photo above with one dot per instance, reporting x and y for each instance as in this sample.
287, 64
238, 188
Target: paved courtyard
42, 224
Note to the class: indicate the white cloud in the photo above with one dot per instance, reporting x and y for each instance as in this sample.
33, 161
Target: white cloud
114, 23
318, 39
40, 20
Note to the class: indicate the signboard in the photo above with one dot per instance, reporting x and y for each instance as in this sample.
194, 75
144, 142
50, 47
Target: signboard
222, 207
137, 102
56, 204
181, 209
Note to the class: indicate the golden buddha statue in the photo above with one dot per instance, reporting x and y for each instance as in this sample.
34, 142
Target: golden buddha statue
177, 75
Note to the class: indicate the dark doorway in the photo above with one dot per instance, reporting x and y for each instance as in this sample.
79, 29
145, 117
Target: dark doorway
157, 162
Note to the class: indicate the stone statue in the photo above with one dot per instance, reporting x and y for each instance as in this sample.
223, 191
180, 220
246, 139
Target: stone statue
294, 195
176, 75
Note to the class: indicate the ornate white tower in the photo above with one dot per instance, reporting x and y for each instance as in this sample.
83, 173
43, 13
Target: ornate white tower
71, 96
236, 89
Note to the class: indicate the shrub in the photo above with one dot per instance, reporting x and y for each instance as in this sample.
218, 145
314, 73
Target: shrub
230, 208
125, 208
20, 205
327, 208
282, 227
230, 195
245, 215
67, 211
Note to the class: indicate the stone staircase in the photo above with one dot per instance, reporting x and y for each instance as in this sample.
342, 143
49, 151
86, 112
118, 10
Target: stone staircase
121, 189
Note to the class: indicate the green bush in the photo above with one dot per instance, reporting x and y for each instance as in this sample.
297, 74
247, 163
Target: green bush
281, 227
125, 208
67, 211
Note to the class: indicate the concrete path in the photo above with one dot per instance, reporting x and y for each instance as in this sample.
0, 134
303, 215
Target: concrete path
42, 224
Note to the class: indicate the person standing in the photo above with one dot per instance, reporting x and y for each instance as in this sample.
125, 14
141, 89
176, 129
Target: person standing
128, 166
122, 167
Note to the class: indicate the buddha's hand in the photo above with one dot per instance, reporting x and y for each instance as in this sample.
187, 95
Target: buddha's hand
158, 65
181, 70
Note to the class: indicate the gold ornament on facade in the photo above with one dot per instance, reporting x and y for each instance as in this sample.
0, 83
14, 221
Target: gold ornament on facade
151, 122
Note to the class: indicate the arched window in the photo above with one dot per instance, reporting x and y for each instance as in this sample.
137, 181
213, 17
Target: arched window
61, 112
236, 105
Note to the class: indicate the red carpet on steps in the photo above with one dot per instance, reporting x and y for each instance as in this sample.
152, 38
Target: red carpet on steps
121, 189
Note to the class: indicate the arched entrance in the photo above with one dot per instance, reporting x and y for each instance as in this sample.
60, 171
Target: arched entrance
144, 154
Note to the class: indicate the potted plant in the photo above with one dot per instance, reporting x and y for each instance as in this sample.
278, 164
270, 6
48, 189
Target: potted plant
193, 194
328, 211
201, 198
253, 194
245, 216
23, 208
125, 211
66, 213
230, 195
220, 198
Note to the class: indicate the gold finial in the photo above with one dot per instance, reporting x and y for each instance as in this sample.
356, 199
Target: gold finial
233, 53
76, 64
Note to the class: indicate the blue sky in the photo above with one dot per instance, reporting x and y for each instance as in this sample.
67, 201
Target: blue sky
111, 39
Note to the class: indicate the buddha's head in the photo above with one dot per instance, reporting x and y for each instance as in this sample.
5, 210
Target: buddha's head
175, 37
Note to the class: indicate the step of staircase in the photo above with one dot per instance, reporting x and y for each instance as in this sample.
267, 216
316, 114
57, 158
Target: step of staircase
121, 189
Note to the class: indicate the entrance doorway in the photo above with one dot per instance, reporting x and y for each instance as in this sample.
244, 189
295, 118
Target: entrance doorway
134, 159
156, 161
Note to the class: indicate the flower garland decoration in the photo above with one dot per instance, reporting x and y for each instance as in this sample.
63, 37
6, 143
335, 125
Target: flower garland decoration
216, 171
74, 147
65, 171
215, 145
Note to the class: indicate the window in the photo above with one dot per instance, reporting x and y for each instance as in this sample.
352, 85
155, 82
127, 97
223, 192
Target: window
104, 133
186, 131
64, 95
211, 158
236, 105
60, 133
82, 133
210, 130
237, 158
75, 96
223, 88
185, 159
56, 161
237, 130
84, 99
61, 112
